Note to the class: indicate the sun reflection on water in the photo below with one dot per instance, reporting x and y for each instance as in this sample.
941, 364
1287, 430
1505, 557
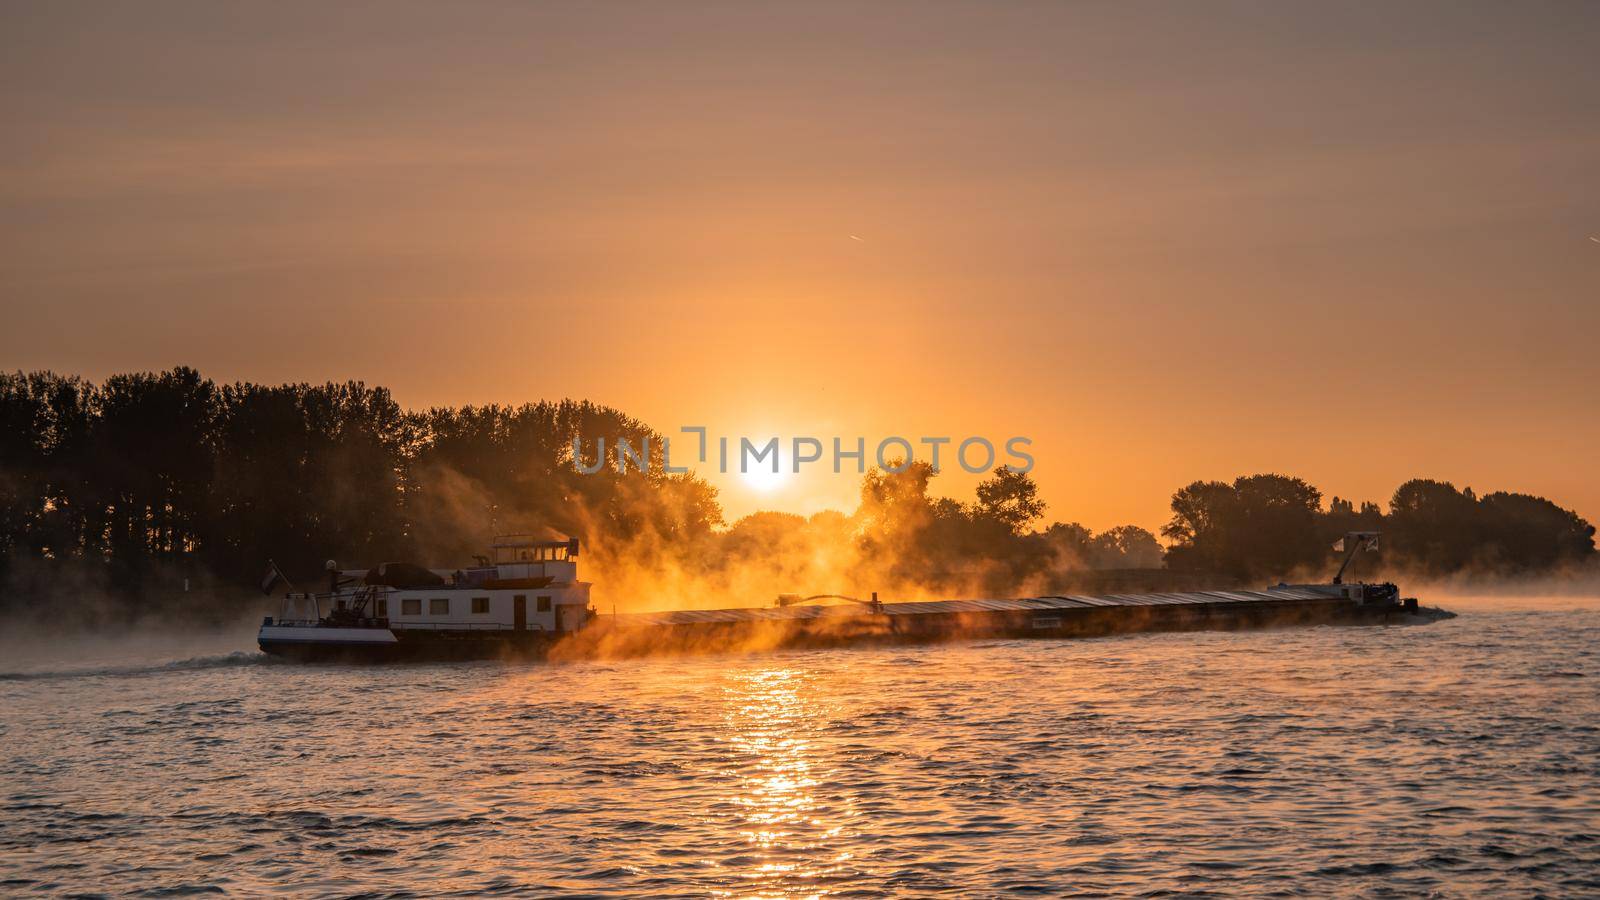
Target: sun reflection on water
771, 718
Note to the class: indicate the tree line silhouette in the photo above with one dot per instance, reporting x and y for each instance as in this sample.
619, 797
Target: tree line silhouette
150, 482
1265, 524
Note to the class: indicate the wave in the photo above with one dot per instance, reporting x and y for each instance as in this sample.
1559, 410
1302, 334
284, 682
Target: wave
225, 661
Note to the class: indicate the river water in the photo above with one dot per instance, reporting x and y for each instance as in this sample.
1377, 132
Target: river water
1459, 758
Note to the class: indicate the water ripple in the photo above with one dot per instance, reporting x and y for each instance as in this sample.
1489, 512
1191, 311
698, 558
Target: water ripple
1460, 758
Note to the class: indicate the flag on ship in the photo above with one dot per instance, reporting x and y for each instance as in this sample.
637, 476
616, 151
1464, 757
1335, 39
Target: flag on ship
273, 576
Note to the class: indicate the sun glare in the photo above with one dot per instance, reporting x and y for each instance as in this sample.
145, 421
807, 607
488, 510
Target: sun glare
760, 477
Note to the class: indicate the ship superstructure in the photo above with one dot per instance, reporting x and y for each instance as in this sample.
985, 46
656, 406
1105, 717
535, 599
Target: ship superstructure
523, 595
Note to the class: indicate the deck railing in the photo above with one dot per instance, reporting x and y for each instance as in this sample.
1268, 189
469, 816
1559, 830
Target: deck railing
451, 626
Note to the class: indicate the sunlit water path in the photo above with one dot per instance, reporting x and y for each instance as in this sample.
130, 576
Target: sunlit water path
1460, 758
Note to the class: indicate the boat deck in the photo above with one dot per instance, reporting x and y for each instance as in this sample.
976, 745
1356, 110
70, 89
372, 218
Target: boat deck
948, 607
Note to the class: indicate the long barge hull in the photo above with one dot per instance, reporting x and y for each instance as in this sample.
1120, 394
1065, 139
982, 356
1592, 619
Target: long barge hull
768, 628
1076, 616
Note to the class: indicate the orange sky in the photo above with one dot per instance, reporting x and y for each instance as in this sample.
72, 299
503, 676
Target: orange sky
1164, 241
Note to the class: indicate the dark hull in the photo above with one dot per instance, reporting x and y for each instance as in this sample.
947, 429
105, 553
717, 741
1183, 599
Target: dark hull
418, 646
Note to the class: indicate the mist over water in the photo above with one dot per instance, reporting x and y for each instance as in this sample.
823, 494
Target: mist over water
1458, 757
33, 653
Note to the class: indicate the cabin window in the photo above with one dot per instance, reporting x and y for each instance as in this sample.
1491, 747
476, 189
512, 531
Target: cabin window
411, 606
383, 608
342, 604
439, 606
480, 606
544, 604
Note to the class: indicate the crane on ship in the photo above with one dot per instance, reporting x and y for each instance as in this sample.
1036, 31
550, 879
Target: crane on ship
793, 599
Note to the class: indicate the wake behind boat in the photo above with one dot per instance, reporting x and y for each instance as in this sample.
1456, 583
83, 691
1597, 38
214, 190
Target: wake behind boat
524, 599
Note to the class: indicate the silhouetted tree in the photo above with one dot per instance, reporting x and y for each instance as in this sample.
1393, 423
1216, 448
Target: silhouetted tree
1010, 498
1199, 528
1261, 525
150, 453
45, 478
1529, 534
306, 473
1070, 541
1125, 547
484, 470
894, 511
1432, 526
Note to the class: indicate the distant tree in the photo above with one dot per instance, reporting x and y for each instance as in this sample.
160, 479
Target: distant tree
261, 504
1010, 498
1432, 526
1125, 547
1261, 525
306, 473
151, 460
895, 502
1202, 513
1277, 532
1524, 533
1345, 511
492, 468
24, 459
890, 523
1070, 539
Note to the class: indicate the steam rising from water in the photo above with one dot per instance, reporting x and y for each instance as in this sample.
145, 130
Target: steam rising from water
770, 554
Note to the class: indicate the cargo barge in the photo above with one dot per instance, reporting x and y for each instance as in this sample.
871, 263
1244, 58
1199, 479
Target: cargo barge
525, 600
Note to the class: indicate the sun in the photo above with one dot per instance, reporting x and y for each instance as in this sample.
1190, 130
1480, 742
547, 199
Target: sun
762, 479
